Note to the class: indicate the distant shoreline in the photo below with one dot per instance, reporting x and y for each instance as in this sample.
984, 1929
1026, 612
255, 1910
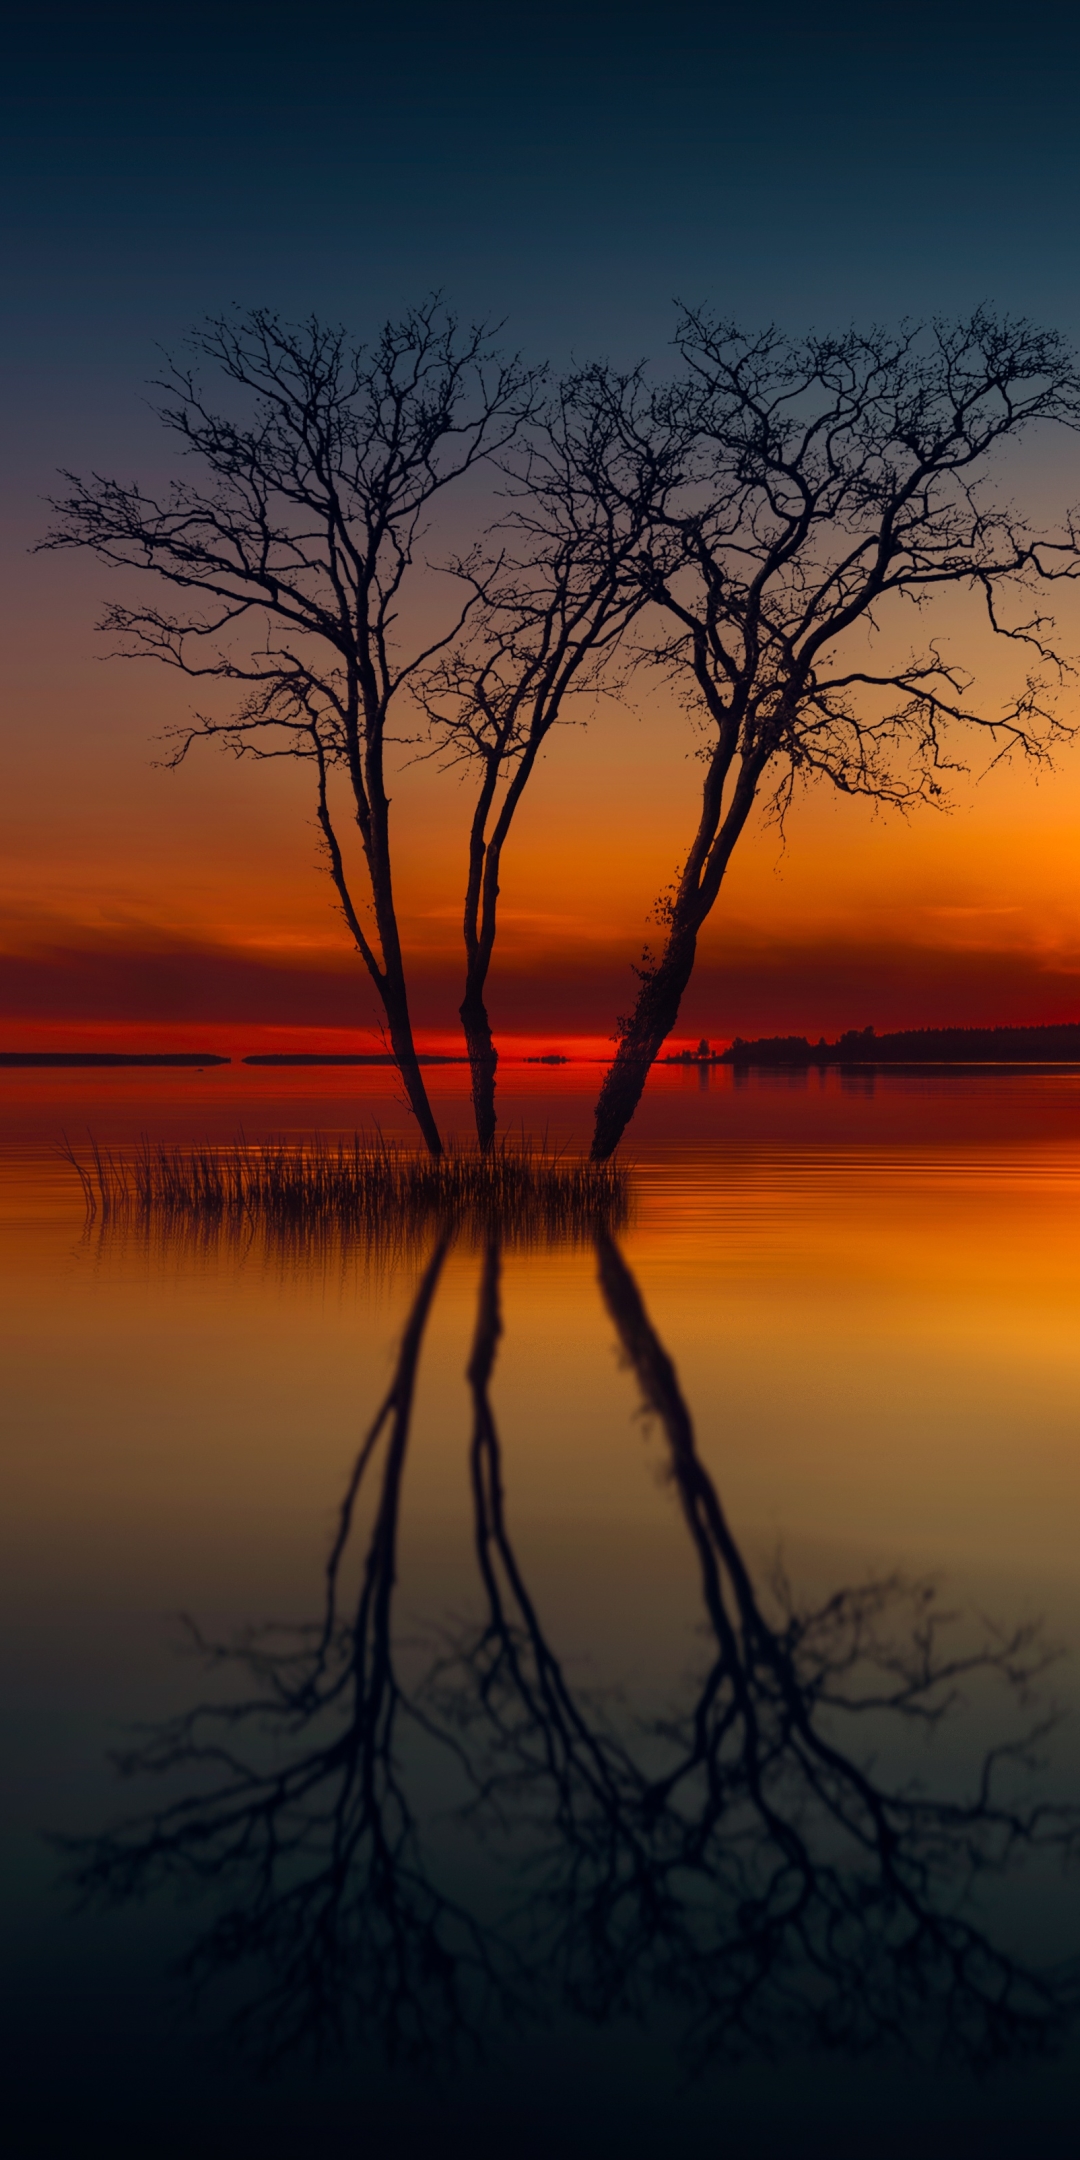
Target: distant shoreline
66, 1058
908, 1046
913, 1048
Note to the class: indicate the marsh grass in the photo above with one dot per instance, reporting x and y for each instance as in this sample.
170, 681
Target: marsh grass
306, 1193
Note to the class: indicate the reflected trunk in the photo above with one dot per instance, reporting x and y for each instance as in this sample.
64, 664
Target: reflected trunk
741, 1858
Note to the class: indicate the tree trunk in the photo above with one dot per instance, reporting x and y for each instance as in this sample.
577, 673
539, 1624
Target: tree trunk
396, 1006
389, 979
653, 1018
483, 1060
392, 988
660, 996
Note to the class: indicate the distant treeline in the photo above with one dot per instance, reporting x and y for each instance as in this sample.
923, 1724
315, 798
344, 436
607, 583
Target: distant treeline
914, 1046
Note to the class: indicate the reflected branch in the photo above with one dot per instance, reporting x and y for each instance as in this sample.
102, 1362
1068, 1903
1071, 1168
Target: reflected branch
748, 1861
328, 1895
842, 1918
517, 1684
774, 1886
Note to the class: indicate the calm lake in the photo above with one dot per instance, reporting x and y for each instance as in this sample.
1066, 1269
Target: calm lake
662, 1732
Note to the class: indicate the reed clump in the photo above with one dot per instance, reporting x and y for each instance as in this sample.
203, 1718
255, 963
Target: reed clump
364, 1188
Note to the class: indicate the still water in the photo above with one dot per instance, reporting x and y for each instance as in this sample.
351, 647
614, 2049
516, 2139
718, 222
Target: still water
569, 1699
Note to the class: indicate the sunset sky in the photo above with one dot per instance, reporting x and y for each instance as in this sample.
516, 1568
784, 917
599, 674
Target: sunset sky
574, 169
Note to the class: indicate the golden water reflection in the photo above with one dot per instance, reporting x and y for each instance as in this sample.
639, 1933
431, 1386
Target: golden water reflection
877, 1344
750, 1854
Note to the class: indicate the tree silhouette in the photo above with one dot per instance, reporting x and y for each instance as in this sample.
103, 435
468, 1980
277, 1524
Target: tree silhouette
288, 564
550, 613
821, 482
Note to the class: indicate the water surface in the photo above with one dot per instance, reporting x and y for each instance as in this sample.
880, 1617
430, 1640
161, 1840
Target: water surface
547, 1831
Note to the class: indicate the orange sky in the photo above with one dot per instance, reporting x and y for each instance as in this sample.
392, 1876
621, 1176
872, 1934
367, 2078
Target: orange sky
138, 899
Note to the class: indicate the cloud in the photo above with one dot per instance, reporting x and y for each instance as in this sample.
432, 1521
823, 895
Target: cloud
747, 987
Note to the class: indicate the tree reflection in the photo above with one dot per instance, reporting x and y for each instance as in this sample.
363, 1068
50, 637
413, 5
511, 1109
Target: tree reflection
746, 1860
300, 1811
767, 1878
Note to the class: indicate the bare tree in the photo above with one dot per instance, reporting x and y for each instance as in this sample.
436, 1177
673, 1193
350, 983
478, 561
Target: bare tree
288, 561
551, 608
824, 481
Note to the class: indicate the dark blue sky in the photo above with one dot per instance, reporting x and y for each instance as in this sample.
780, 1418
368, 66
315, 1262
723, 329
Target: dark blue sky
570, 166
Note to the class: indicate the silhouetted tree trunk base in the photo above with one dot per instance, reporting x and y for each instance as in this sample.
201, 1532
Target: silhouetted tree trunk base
401, 1043
653, 1018
483, 1063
